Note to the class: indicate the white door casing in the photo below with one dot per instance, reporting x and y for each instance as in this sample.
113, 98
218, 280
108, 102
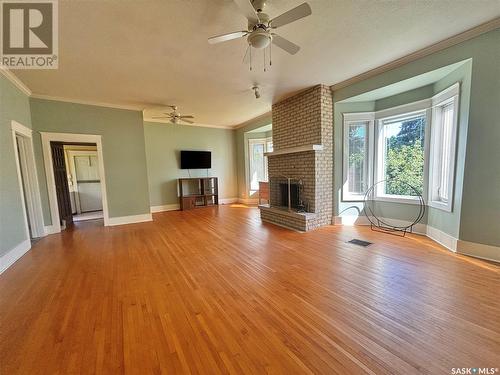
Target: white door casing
49, 171
28, 180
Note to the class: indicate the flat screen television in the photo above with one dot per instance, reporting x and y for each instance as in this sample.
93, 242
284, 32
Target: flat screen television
196, 159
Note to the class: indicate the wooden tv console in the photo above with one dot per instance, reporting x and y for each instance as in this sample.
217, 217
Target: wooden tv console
198, 192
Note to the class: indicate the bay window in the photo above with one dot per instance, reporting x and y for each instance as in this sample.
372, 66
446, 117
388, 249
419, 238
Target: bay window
410, 147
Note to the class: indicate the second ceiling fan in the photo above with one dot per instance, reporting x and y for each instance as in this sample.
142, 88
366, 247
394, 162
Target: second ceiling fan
174, 117
260, 28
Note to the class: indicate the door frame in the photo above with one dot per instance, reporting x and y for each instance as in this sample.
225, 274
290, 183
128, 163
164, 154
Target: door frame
49, 171
72, 168
28, 188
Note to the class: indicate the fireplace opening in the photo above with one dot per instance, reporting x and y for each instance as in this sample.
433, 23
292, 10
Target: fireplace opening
294, 195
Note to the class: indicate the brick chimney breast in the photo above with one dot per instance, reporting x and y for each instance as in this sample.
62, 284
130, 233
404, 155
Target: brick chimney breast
302, 151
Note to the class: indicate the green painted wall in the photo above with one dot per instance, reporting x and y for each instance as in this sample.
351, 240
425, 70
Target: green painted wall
410, 96
242, 150
449, 222
14, 105
480, 211
480, 218
163, 145
123, 150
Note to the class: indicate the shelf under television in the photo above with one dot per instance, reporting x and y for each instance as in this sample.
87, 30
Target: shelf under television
207, 185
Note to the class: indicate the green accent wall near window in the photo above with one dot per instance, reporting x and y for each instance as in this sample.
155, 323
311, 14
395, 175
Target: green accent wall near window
14, 105
123, 150
163, 145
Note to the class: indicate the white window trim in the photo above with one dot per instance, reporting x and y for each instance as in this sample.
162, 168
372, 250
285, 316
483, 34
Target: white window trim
403, 109
400, 111
374, 147
350, 118
427, 105
451, 94
251, 142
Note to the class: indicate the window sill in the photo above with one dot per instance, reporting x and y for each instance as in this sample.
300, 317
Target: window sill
398, 199
353, 197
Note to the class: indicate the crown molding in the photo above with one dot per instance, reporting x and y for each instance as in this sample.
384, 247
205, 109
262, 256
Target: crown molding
87, 102
253, 120
159, 121
15, 81
439, 46
20, 85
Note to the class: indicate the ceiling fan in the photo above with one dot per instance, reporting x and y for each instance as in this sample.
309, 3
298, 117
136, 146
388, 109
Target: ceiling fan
260, 28
175, 116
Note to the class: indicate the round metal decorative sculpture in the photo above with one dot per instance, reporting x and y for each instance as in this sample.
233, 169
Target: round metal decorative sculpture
378, 223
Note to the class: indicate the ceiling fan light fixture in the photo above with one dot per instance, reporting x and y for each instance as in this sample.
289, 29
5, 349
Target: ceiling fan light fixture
259, 39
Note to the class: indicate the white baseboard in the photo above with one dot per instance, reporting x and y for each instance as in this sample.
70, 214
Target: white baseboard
14, 254
442, 238
435, 234
228, 200
165, 207
121, 220
248, 200
479, 250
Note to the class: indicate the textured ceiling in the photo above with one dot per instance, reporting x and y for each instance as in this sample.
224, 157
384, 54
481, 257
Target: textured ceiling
148, 52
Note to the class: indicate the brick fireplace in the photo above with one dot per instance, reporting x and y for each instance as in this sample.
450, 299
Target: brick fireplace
302, 156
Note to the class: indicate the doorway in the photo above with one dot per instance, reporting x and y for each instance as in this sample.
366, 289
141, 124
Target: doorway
76, 181
28, 181
84, 182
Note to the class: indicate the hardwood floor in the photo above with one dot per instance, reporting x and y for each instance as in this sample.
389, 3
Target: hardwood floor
216, 291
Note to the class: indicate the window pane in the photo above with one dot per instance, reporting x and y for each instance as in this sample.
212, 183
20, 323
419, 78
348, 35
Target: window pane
404, 155
357, 158
257, 167
269, 146
446, 139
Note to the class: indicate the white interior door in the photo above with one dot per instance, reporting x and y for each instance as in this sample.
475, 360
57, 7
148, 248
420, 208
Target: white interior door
87, 181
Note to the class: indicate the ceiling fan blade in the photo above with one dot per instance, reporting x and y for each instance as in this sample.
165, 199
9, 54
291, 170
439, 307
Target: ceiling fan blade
248, 10
226, 37
285, 44
189, 122
159, 117
187, 116
292, 15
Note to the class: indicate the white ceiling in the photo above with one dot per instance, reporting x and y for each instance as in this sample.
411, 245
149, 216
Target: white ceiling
144, 52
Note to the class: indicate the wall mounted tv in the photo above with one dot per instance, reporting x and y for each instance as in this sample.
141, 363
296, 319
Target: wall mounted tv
196, 159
